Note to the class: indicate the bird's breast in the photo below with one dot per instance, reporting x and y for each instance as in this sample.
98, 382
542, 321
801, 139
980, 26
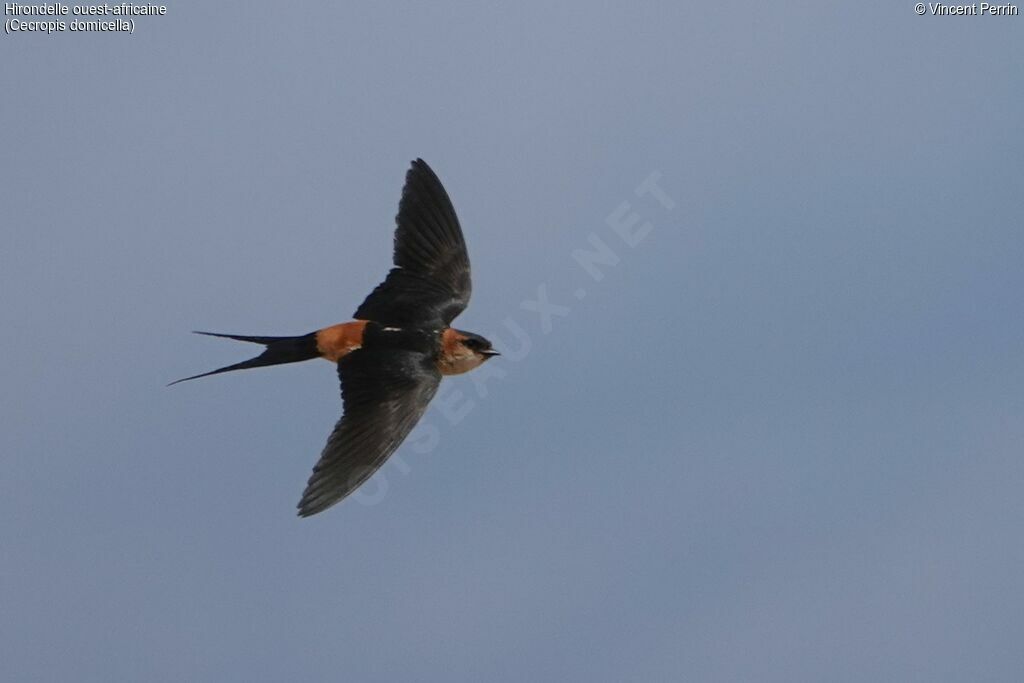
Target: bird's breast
456, 364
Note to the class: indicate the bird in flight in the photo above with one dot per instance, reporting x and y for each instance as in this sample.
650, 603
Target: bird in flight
392, 356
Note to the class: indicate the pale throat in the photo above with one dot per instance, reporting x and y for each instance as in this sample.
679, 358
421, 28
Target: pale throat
463, 360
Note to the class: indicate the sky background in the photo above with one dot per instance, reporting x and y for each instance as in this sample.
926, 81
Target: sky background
779, 440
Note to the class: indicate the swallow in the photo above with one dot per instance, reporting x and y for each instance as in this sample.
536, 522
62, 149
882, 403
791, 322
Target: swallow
391, 357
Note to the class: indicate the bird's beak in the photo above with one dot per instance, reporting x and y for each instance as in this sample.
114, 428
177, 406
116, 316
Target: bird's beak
490, 352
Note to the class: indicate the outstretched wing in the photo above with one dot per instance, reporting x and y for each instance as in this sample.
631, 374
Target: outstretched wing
385, 393
430, 283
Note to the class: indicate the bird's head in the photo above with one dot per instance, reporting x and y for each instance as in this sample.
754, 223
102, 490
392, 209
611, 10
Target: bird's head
462, 351
477, 345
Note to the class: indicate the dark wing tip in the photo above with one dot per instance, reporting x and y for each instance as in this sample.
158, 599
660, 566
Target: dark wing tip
314, 504
422, 168
320, 493
305, 509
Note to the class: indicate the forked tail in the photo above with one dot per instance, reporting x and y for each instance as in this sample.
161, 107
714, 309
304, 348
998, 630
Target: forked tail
279, 350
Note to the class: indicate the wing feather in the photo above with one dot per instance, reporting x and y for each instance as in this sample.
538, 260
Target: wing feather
385, 393
430, 283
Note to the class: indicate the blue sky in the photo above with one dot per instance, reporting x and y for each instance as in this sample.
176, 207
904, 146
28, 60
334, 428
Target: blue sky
779, 439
